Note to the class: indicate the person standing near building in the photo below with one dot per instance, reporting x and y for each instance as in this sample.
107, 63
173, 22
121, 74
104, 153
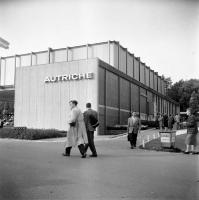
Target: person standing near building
133, 128
177, 121
165, 119
192, 130
91, 122
170, 122
160, 119
76, 135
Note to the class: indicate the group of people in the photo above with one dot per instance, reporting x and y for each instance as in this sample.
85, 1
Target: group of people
166, 122
82, 126
81, 129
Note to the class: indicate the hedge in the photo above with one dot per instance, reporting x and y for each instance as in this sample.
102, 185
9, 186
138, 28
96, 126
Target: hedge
30, 134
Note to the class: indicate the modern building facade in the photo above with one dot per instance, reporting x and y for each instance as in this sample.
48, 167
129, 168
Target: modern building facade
105, 74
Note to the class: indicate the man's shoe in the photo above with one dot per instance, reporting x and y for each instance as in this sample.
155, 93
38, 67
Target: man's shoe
64, 154
186, 152
84, 156
193, 152
93, 155
132, 147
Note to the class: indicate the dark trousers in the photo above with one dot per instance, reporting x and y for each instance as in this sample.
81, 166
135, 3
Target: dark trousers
133, 140
91, 145
80, 147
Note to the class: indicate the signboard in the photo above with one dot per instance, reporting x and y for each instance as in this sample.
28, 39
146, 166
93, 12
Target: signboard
167, 138
68, 77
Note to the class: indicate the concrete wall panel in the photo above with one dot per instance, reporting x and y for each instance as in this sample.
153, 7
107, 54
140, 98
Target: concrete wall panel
45, 105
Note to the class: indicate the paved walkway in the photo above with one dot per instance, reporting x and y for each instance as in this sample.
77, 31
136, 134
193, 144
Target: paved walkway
36, 170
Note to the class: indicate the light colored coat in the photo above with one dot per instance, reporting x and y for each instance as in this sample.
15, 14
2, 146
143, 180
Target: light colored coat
76, 135
134, 125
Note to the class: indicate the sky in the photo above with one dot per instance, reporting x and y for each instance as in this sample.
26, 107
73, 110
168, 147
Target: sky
163, 33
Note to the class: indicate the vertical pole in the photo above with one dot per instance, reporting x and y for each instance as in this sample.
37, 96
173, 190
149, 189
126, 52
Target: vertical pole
109, 52
104, 100
118, 99
15, 67
133, 66
144, 73
87, 46
31, 59
143, 143
139, 86
130, 97
49, 51
4, 73
149, 77
67, 54
126, 61
0, 69
118, 56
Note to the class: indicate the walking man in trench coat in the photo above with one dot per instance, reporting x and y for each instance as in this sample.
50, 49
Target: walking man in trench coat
88, 114
76, 135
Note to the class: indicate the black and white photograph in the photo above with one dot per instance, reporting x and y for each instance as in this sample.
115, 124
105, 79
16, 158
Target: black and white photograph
99, 99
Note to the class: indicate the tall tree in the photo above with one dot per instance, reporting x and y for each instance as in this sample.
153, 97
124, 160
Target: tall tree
194, 102
181, 92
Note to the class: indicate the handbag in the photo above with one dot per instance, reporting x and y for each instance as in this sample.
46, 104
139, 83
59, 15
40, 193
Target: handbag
128, 138
72, 124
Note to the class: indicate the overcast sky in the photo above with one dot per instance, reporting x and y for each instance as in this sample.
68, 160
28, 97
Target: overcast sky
164, 33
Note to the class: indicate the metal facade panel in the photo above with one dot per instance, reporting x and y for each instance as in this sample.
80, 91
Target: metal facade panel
136, 69
147, 76
142, 73
124, 94
25, 60
79, 53
100, 51
151, 79
130, 65
112, 90
112, 116
42, 58
159, 85
122, 60
124, 115
155, 82
102, 115
102, 86
134, 97
60, 55
114, 55
8, 71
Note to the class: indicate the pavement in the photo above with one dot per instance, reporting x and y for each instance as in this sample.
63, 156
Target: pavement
36, 170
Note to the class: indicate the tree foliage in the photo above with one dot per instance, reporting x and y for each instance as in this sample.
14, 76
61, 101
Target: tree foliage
181, 92
194, 102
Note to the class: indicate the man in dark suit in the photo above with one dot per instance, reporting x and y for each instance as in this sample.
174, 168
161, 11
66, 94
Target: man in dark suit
89, 115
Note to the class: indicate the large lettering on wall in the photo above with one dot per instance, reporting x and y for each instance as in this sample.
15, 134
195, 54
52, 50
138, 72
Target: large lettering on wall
68, 77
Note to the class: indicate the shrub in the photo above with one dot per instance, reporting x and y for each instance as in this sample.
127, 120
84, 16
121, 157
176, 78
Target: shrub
30, 134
